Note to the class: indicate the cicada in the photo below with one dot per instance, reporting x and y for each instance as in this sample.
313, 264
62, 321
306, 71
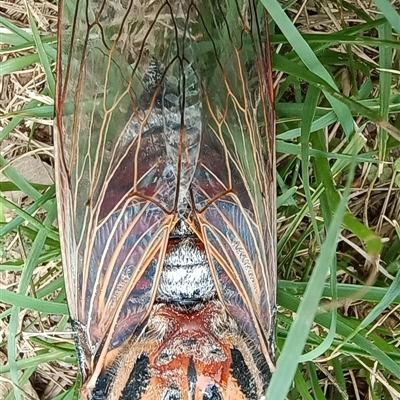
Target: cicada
166, 193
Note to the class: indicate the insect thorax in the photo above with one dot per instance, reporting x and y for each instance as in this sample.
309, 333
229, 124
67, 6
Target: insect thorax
186, 277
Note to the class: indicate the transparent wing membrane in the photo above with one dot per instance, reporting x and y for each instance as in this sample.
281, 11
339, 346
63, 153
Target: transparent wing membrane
164, 114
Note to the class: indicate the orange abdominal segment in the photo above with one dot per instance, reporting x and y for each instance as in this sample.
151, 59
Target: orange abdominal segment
191, 360
192, 346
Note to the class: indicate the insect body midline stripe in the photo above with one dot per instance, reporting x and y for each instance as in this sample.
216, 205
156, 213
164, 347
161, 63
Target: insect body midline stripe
149, 113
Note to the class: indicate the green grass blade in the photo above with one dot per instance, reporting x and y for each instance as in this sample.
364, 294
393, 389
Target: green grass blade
287, 362
23, 301
390, 13
31, 263
44, 60
309, 58
21, 182
385, 82
16, 64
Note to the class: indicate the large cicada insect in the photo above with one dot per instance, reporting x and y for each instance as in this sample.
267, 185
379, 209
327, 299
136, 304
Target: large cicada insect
165, 176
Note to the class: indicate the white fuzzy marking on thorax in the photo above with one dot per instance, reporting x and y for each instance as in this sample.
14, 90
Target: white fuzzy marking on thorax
186, 275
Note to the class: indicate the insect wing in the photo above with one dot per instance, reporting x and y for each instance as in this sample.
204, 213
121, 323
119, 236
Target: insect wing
164, 112
234, 185
115, 193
